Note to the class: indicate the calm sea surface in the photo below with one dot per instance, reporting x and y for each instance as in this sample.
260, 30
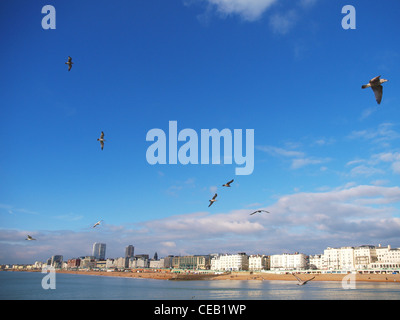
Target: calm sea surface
28, 285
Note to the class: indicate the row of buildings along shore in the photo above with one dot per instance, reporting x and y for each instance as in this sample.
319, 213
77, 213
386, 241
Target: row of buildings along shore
365, 258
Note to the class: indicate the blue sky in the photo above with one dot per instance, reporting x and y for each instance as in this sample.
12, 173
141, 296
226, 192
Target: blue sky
327, 157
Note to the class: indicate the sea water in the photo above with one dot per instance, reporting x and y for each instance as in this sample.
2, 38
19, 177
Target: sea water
28, 286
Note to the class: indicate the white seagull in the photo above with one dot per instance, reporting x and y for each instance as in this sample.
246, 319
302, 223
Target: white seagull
97, 224
69, 63
259, 211
302, 282
29, 238
376, 85
101, 139
228, 184
212, 200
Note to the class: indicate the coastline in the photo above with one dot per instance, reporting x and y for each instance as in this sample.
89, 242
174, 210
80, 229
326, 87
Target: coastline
256, 276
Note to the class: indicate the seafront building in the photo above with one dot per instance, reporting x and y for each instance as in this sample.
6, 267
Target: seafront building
194, 262
99, 251
129, 251
259, 262
56, 261
230, 262
296, 261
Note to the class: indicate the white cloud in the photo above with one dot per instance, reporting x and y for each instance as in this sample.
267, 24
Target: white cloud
249, 10
368, 167
168, 244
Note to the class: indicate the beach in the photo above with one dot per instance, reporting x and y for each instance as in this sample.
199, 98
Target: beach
260, 276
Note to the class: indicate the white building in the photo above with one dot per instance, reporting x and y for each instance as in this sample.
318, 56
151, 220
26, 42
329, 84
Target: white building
138, 262
230, 262
296, 261
346, 258
259, 262
120, 263
331, 259
156, 264
364, 256
359, 258
316, 262
388, 258
110, 263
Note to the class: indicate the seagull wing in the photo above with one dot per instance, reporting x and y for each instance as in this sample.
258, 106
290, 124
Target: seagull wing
69, 59
253, 213
309, 280
102, 135
215, 195
376, 79
298, 279
102, 145
378, 90
230, 182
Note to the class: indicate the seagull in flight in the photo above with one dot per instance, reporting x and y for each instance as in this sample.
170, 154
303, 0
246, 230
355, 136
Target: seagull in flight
212, 200
29, 238
302, 282
69, 63
259, 211
97, 224
376, 85
101, 139
228, 184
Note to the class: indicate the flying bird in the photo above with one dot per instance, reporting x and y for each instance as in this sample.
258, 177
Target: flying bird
259, 211
376, 85
29, 238
228, 184
97, 223
302, 282
69, 63
212, 200
101, 139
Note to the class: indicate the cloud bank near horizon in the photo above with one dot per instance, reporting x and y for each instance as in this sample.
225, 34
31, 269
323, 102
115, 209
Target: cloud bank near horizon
307, 222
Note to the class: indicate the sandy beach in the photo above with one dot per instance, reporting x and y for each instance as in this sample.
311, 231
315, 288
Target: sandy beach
239, 276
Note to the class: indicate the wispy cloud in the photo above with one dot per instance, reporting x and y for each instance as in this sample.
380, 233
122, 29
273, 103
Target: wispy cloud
14, 210
367, 112
249, 10
252, 10
282, 23
365, 171
379, 163
299, 159
383, 134
69, 217
280, 151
